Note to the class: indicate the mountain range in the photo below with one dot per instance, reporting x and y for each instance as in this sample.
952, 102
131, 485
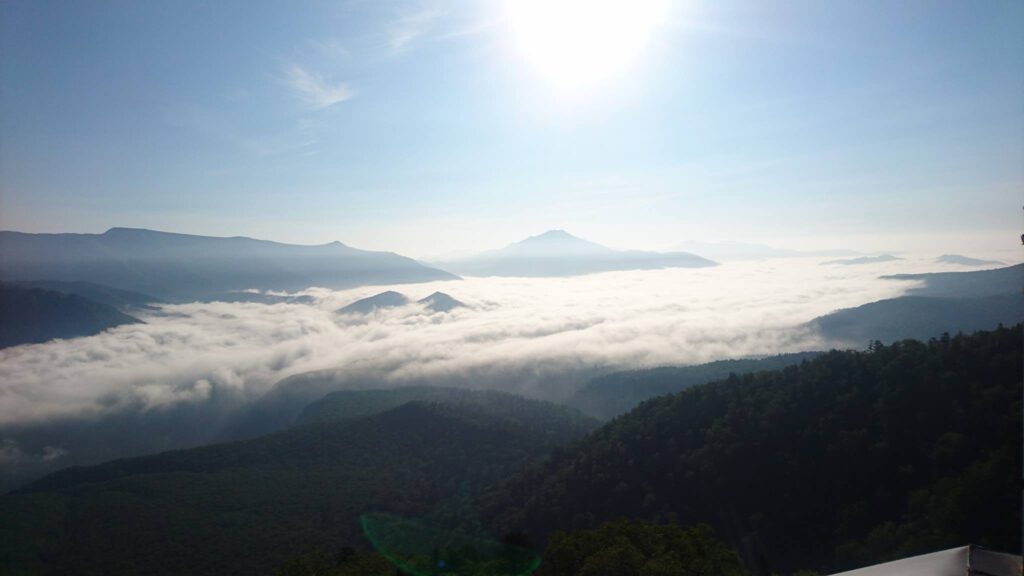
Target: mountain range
863, 260
558, 253
966, 260
944, 302
180, 267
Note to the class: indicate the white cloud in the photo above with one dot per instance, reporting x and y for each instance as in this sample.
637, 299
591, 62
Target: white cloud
314, 90
519, 334
410, 25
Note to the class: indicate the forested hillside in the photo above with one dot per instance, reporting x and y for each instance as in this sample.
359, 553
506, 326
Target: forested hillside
844, 460
619, 392
559, 423
244, 507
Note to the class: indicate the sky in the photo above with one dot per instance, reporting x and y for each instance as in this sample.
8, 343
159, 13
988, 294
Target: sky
435, 127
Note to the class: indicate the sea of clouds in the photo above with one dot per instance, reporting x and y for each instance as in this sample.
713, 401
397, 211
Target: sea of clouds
178, 379
186, 352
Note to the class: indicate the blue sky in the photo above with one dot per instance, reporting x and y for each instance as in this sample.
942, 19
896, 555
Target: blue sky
431, 127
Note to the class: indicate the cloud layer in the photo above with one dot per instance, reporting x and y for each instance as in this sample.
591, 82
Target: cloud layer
190, 352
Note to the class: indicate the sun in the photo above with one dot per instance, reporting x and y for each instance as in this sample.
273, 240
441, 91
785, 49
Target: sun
580, 44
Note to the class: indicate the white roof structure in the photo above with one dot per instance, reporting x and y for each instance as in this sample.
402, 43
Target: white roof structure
963, 561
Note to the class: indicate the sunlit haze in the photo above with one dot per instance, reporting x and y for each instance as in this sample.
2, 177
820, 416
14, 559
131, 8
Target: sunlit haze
434, 128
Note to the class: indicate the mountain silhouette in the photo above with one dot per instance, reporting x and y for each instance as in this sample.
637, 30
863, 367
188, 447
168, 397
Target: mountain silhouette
441, 302
33, 315
389, 299
184, 267
123, 300
947, 302
558, 253
864, 260
966, 260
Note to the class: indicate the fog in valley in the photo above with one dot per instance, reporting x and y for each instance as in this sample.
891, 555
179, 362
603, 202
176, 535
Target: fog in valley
193, 372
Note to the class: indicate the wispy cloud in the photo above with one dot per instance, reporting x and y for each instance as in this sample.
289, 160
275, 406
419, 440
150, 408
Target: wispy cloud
314, 89
410, 25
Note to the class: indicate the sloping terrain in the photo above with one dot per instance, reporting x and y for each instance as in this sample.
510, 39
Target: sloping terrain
242, 508
33, 315
613, 394
844, 460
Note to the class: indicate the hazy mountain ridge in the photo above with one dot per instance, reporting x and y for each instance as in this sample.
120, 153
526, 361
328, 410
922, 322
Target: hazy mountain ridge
182, 266
558, 253
124, 300
863, 260
966, 260
944, 302
918, 317
975, 283
35, 315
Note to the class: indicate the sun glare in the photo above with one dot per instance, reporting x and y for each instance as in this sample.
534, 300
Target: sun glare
579, 44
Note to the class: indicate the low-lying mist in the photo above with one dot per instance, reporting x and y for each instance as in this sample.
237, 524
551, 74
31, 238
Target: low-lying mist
203, 362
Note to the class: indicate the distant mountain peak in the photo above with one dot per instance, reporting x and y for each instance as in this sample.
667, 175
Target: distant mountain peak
388, 299
559, 253
555, 233
966, 260
863, 260
554, 242
441, 302
126, 230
